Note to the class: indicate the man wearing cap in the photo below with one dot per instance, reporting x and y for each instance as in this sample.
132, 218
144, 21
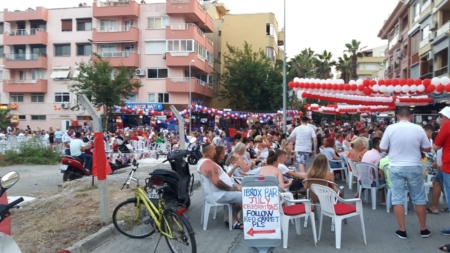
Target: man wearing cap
405, 143
442, 141
304, 137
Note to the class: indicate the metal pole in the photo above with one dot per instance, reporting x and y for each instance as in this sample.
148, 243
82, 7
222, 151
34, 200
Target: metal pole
284, 72
190, 98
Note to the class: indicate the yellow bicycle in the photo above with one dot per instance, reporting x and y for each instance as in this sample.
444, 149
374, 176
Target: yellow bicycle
139, 218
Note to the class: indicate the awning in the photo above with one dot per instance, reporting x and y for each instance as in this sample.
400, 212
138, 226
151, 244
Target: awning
60, 73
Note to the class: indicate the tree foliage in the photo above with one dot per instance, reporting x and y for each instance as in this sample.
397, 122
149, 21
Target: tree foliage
104, 85
354, 49
344, 65
4, 118
250, 81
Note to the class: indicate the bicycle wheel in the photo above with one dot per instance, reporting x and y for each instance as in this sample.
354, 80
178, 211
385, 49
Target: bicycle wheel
183, 236
133, 221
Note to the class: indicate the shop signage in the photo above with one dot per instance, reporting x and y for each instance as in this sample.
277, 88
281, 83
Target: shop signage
149, 106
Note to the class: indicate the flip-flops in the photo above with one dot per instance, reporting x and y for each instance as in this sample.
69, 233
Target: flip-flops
238, 225
446, 246
431, 211
445, 210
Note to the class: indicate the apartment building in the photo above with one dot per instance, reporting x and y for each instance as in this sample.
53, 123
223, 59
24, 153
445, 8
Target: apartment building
395, 30
260, 30
161, 40
440, 28
371, 65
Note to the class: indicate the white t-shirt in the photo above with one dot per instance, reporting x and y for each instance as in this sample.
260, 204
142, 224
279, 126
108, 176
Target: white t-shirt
66, 138
313, 126
303, 135
404, 140
217, 141
284, 169
75, 147
439, 157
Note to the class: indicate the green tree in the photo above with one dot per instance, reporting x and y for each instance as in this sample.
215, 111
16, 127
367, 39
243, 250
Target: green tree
302, 65
104, 85
250, 80
344, 65
354, 48
323, 63
4, 118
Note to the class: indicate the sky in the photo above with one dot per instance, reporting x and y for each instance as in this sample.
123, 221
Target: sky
318, 24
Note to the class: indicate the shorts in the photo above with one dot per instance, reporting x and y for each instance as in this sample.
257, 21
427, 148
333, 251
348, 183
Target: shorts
58, 140
412, 177
302, 157
439, 177
230, 197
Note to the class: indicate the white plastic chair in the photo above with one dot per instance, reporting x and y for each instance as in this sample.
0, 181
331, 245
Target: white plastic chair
389, 193
352, 173
339, 211
341, 168
294, 210
209, 202
366, 170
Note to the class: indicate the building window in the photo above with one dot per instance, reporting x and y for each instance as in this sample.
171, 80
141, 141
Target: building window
16, 97
270, 53
209, 57
220, 33
22, 117
22, 75
84, 49
62, 50
2, 27
37, 97
371, 66
416, 11
133, 98
270, 30
84, 118
200, 50
1, 52
38, 117
157, 22
84, 24
158, 97
180, 45
66, 25
157, 73
37, 74
425, 33
62, 97
163, 97
155, 47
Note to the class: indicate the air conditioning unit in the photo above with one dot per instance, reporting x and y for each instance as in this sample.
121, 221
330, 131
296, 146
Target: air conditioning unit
65, 106
399, 54
430, 56
400, 38
164, 56
140, 72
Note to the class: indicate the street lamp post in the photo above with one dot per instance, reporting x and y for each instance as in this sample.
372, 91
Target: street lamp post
190, 98
284, 72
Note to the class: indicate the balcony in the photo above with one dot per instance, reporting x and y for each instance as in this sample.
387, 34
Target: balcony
280, 38
39, 14
25, 86
121, 58
443, 29
424, 42
428, 75
181, 85
116, 8
394, 41
25, 61
186, 31
182, 59
118, 34
441, 71
193, 12
23, 37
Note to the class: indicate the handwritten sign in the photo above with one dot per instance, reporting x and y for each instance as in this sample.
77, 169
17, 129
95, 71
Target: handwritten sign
261, 212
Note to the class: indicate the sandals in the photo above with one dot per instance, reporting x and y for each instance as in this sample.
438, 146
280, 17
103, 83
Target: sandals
429, 211
445, 210
446, 246
238, 225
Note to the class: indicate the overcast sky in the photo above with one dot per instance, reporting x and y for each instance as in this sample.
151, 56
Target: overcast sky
319, 24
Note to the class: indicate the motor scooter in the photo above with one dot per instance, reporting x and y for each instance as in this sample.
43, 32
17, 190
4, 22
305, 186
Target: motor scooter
7, 243
194, 152
179, 179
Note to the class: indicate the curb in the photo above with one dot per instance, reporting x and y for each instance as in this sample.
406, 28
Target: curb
91, 242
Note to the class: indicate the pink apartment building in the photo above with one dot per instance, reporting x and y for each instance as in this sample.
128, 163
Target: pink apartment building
41, 47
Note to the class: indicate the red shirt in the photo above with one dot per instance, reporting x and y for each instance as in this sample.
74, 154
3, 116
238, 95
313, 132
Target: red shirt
442, 140
134, 138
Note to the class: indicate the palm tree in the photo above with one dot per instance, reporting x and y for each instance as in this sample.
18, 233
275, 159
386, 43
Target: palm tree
354, 48
302, 65
344, 65
324, 63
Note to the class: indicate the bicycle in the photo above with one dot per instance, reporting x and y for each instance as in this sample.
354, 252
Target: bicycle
130, 217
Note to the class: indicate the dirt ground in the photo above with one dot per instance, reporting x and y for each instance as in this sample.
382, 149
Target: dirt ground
58, 219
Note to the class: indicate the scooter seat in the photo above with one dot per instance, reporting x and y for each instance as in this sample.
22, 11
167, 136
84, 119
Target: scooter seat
165, 173
78, 159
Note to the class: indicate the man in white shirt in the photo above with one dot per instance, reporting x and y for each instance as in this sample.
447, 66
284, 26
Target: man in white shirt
405, 141
9, 130
217, 141
66, 139
76, 149
304, 137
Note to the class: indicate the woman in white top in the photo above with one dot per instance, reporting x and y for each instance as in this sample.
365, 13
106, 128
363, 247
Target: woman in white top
262, 146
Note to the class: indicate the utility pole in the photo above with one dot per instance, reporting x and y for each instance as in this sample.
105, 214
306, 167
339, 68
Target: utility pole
284, 72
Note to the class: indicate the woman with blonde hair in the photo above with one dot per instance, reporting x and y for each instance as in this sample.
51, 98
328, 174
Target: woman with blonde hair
262, 146
287, 147
244, 163
359, 148
58, 136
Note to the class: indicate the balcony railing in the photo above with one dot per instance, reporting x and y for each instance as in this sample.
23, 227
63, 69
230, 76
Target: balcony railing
443, 29
186, 80
428, 75
23, 57
393, 41
113, 3
186, 27
117, 28
210, 42
22, 81
441, 71
116, 54
211, 64
32, 31
201, 58
424, 42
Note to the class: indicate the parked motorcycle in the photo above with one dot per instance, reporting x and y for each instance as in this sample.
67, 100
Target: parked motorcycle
7, 243
179, 179
194, 152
